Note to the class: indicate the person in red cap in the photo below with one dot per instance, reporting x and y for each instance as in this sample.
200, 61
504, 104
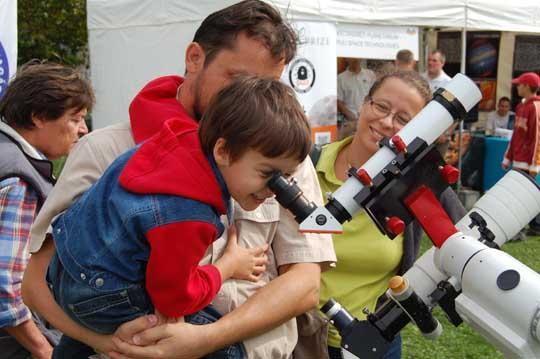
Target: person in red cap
523, 151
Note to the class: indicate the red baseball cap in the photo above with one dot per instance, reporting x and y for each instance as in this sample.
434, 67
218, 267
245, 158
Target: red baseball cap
527, 78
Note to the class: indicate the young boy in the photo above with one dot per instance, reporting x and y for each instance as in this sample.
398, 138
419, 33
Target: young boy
523, 151
134, 240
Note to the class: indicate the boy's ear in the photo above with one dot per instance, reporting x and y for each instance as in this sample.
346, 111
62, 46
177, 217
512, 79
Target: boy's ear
221, 153
195, 57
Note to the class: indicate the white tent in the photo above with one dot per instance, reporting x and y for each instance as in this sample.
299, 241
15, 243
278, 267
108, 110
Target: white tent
133, 41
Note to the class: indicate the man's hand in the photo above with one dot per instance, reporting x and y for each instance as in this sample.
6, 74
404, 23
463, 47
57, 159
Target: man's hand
137, 339
504, 166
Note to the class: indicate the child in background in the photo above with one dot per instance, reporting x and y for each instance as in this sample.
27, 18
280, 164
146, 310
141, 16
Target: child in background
523, 152
132, 243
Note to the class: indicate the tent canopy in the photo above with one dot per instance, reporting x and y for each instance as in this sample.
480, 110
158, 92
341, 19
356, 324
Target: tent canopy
133, 41
501, 15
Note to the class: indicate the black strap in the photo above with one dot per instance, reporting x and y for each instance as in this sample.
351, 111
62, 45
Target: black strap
315, 154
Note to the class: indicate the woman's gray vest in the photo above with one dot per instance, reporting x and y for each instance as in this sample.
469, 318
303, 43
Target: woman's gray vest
14, 162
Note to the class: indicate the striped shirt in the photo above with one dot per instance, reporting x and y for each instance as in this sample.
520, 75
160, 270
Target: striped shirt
18, 205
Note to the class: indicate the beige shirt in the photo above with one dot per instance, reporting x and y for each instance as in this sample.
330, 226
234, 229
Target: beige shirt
268, 224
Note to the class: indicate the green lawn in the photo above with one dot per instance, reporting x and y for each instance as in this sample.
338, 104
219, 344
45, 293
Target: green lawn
462, 342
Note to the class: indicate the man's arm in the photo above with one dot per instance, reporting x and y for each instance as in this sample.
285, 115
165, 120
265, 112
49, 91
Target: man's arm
294, 292
37, 296
85, 164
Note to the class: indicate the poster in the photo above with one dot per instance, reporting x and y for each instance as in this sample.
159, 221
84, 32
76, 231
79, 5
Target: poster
375, 42
8, 42
312, 75
482, 61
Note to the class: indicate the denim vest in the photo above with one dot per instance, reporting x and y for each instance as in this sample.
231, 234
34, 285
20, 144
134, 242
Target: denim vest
100, 240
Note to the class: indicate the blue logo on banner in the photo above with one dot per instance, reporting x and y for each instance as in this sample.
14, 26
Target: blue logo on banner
4, 70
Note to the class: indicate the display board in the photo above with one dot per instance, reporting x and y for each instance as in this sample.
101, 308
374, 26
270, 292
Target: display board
8, 42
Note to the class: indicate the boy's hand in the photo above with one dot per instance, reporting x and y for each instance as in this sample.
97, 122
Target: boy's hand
162, 319
241, 263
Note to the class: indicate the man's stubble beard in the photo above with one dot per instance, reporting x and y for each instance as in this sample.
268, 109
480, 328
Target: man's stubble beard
197, 107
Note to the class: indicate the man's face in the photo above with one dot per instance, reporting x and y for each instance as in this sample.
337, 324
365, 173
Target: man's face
248, 57
503, 108
435, 64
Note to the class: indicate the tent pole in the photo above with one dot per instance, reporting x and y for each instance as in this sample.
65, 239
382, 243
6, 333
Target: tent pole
462, 70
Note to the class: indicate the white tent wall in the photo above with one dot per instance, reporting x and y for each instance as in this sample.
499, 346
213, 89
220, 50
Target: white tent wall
133, 41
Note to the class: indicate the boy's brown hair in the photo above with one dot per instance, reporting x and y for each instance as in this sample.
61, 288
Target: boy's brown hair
256, 113
46, 90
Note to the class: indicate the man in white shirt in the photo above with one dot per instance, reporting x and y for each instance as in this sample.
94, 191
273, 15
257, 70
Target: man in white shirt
499, 118
405, 60
353, 85
435, 75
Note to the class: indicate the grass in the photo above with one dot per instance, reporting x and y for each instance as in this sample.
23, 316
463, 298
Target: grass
462, 342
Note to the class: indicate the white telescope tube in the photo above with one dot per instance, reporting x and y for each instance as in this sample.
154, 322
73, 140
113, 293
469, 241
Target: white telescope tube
428, 125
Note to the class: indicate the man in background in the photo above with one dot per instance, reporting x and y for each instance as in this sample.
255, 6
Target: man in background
353, 86
405, 60
435, 75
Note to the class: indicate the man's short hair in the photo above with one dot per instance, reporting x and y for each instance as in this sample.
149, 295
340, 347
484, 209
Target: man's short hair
45, 90
504, 98
255, 18
256, 113
405, 56
441, 55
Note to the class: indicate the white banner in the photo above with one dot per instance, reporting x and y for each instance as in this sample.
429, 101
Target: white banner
375, 42
8, 41
313, 76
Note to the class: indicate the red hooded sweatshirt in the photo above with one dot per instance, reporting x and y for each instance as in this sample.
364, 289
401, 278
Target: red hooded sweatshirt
524, 148
172, 163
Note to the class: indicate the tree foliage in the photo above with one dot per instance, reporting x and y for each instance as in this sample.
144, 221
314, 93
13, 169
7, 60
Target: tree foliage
52, 29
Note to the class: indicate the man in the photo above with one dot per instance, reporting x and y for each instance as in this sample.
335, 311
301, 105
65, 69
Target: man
499, 118
43, 112
435, 75
405, 60
249, 37
523, 151
353, 86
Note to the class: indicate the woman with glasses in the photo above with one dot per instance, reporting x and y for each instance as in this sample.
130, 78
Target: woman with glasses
366, 258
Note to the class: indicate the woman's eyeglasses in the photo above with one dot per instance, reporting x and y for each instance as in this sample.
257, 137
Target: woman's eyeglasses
382, 109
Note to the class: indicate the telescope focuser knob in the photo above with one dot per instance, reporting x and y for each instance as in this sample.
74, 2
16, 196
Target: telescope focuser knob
449, 173
399, 144
395, 225
364, 177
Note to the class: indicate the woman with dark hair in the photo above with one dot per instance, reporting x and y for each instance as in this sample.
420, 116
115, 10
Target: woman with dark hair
42, 116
